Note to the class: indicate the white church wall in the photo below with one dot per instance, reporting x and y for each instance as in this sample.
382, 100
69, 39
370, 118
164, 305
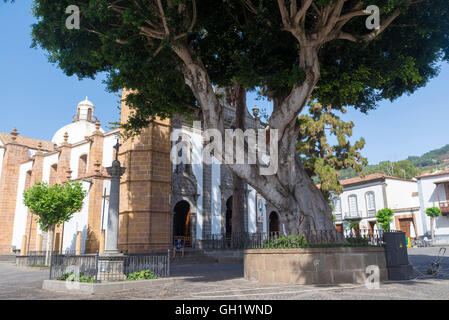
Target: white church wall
46, 166
197, 168
20, 216
216, 197
79, 222
105, 206
252, 224
108, 149
2, 154
75, 155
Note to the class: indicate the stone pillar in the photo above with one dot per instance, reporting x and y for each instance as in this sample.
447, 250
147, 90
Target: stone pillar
23, 249
39, 242
102, 240
116, 171
78, 243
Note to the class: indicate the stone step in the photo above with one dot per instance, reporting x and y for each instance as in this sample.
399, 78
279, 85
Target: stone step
192, 257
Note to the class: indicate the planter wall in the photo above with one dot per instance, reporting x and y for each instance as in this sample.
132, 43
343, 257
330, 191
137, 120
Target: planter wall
313, 265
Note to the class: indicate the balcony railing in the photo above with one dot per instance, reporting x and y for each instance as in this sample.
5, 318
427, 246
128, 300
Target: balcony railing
371, 213
353, 215
338, 217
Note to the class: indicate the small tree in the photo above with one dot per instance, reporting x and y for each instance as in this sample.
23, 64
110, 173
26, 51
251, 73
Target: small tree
433, 212
384, 218
53, 206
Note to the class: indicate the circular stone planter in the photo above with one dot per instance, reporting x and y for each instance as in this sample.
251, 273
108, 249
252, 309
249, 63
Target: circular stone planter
314, 265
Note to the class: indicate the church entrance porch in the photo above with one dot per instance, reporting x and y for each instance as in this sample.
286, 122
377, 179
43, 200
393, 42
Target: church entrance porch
181, 223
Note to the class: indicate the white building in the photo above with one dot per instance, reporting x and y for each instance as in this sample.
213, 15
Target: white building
434, 192
362, 198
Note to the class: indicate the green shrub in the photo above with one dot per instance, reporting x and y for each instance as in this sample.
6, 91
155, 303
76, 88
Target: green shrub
71, 277
141, 275
384, 218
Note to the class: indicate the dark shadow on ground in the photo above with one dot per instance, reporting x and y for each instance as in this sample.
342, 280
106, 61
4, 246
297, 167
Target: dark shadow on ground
208, 272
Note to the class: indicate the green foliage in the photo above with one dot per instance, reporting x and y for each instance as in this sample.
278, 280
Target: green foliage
433, 212
54, 205
354, 225
141, 275
71, 277
299, 241
384, 218
322, 160
401, 169
283, 242
431, 158
234, 43
38, 266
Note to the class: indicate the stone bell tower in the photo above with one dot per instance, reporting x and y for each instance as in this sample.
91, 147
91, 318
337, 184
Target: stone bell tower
145, 188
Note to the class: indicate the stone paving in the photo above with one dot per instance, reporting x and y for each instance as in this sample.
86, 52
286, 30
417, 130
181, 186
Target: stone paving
225, 281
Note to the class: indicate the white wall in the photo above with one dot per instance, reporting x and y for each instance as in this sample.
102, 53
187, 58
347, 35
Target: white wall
252, 213
79, 222
20, 216
108, 150
399, 194
429, 198
46, 166
75, 155
360, 191
2, 154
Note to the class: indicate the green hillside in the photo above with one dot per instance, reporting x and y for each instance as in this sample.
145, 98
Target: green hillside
408, 168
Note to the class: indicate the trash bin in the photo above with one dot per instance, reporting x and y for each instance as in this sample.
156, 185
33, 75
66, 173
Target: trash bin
396, 256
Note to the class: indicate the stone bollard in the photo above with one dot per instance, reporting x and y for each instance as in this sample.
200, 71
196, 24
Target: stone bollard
23, 248
78, 243
102, 239
39, 243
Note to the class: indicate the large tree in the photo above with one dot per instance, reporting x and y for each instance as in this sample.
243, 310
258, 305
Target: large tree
323, 161
53, 205
171, 53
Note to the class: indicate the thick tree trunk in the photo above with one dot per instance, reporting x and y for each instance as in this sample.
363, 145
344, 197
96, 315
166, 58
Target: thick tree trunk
301, 205
238, 192
50, 236
432, 231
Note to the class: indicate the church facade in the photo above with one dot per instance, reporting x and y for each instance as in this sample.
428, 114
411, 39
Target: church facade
158, 200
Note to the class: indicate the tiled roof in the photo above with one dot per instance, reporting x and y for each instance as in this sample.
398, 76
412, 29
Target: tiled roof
431, 174
28, 142
367, 178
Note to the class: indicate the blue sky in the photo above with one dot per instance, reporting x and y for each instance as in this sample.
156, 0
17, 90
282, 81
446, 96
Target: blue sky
38, 99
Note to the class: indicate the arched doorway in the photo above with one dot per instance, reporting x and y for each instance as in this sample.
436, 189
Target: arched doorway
229, 218
273, 222
181, 222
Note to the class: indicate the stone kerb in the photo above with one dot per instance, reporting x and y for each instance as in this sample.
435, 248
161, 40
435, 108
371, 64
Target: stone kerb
313, 265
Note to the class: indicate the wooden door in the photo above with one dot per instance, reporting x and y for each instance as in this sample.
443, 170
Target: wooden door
371, 227
339, 228
404, 225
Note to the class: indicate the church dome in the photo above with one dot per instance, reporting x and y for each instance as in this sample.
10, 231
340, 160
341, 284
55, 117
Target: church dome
83, 124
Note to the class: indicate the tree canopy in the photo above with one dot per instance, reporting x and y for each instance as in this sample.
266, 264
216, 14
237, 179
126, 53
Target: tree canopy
234, 42
54, 205
384, 218
172, 53
320, 159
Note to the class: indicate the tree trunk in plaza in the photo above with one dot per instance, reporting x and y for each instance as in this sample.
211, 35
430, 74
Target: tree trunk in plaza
238, 191
50, 239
